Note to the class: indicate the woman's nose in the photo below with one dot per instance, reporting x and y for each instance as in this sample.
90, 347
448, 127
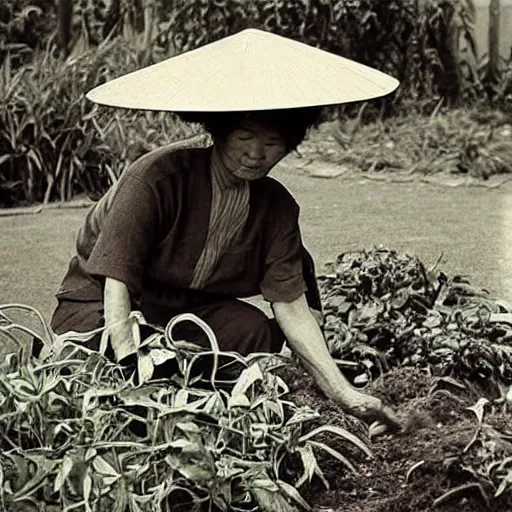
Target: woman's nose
256, 151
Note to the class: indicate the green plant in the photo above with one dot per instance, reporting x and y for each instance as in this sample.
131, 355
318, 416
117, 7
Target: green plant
384, 309
470, 142
53, 149
417, 42
77, 432
487, 458
25, 25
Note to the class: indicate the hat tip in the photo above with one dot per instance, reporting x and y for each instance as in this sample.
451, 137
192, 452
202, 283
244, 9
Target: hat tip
254, 31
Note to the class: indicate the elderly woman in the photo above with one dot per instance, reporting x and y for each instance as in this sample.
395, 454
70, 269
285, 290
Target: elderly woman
194, 228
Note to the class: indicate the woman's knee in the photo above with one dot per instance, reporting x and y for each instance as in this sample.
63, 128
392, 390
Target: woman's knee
238, 327
74, 315
249, 330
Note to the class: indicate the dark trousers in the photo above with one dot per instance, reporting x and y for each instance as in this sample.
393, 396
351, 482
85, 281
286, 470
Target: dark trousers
238, 326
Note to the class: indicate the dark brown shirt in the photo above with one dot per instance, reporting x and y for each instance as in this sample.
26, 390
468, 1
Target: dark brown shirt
150, 229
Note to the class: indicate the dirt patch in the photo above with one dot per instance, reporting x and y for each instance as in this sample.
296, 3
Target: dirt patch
411, 470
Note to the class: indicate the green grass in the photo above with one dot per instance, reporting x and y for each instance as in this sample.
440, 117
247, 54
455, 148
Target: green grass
471, 226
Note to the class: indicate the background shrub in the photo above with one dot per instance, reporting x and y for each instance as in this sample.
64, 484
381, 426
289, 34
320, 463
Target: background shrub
54, 143
25, 25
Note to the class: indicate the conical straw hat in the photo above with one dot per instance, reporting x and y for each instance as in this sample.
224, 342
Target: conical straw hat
251, 70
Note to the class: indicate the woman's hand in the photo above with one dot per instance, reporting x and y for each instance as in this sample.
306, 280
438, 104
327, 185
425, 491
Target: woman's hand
371, 409
306, 340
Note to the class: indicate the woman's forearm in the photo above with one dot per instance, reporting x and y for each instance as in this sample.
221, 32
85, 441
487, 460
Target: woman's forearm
307, 341
117, 310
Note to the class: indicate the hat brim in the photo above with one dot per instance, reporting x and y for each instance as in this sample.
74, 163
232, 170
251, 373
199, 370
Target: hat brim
251, 70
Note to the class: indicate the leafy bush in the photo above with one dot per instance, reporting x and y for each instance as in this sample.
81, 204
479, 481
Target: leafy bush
78, 432
384, 309
25, 25
488, 456
472, 142
54, 143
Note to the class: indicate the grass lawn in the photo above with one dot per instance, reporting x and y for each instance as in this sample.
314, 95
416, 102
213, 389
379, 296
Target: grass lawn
471, 226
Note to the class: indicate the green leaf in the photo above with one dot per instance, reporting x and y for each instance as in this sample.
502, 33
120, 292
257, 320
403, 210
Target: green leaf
247, 378
478, 409
64, 471
161, 355
309, 463
188, 427
89, 403
506, 481
156, 341
238, 400
22, 467
186, 446
460, 489
293, 494
103, 467
145, 367
4, 158
368, 313
214, 405
62, 427
181, 398
44, 468
302, 415
334, 453
433, 321
265, 483
276, 407
33, 155
340, 432
194, 473
87, 489
90, 454
227, 469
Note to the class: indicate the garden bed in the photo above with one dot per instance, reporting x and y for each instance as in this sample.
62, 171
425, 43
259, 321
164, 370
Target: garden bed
473, 143
179, 426
409, 472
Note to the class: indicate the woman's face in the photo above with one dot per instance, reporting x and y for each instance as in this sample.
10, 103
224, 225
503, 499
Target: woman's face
251, 151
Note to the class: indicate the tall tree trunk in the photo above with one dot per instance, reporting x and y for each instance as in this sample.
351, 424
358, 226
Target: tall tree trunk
65, 15
494, 40
450, 83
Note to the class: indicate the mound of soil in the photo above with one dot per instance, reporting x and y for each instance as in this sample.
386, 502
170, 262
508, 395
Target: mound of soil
411, 470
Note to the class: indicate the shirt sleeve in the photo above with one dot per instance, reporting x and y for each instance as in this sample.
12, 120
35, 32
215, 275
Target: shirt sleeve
283, 279
127, 235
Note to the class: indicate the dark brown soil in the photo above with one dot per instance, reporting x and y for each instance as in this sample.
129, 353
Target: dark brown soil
438, 428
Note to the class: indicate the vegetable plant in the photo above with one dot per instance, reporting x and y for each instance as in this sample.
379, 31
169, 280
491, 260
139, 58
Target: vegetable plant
186, 427
384, 309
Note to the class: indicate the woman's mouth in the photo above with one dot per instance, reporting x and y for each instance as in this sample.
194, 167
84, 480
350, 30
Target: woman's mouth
247, 172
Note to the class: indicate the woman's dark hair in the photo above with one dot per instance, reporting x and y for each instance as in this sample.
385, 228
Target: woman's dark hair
293, 124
